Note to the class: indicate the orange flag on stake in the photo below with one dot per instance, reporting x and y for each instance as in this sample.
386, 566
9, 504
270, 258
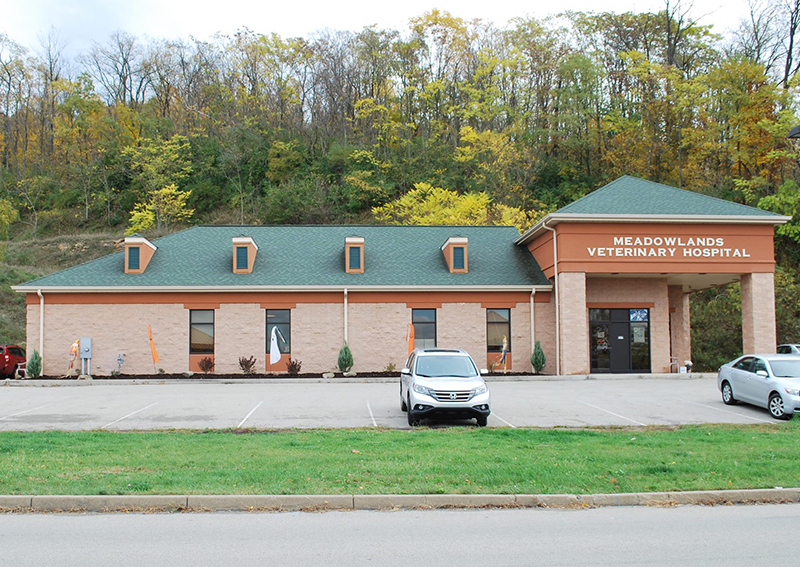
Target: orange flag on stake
410, 338
152, 345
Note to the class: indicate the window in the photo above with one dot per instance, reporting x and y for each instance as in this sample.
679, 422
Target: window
458, 258
281, 320
201, 331
241, 258
355, 257
498, 325
744, 364
759, 364
424, 321
133, 258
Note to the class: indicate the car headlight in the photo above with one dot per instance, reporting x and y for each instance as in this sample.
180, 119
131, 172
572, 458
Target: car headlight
479, 390
792, 392
421, 389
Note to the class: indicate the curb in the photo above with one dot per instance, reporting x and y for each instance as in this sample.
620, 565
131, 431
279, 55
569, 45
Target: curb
347, 380
286, 503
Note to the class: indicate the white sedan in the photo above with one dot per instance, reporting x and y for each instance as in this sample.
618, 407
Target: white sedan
770, 381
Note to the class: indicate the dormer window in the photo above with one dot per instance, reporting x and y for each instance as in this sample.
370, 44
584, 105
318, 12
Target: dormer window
455, 254
138, 252
354, 255
244, 254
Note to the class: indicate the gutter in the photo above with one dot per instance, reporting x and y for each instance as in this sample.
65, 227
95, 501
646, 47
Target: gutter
345, 315
275, 288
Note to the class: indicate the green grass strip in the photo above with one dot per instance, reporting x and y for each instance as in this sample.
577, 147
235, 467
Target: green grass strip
453, 460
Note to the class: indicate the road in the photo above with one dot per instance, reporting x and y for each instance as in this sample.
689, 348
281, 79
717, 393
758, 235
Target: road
729, 536
312, 405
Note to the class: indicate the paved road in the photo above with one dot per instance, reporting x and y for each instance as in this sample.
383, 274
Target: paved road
311, 405
729, 536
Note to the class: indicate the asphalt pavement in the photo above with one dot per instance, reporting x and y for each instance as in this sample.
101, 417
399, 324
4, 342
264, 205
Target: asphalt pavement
719, 536
569, 403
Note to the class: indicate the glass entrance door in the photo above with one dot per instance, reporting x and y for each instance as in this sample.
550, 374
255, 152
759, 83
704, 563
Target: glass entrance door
619, 340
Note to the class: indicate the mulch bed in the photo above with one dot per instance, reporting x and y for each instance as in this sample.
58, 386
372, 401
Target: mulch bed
214, 376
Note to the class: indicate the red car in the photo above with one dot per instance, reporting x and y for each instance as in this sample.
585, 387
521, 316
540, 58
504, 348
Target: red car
10, 357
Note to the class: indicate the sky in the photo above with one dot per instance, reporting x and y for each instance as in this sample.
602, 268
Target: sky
79, 23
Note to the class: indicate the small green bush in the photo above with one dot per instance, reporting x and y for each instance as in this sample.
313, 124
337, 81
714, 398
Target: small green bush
538, 359
35, 365
345, 361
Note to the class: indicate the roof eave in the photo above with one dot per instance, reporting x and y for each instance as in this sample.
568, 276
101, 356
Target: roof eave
555, 218
275, 288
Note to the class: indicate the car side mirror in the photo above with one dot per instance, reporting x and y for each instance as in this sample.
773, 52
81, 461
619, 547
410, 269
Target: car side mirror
405, 371
762, 373
484, 371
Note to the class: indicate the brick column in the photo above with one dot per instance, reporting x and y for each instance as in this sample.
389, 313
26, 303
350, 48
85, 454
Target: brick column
573, 323
758, 313
679, 324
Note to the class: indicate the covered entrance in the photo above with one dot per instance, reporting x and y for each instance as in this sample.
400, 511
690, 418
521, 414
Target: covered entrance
619, 340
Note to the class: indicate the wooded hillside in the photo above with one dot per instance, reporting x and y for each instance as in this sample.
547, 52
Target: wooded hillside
152, 134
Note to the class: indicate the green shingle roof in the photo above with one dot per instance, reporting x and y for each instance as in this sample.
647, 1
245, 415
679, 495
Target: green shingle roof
314, 256
633, 196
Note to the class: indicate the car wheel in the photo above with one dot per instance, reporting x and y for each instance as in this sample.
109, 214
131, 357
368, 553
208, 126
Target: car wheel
413, 421
482, 421
727, 395
775, 406
403, 405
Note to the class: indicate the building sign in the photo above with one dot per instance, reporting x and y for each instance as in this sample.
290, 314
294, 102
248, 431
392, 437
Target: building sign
668, 247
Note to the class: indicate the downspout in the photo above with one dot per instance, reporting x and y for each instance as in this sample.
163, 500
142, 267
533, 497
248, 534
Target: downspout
558, 306
533, 324
41, 325
345, 315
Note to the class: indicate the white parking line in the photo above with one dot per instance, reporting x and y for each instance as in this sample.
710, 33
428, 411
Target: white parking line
503, 420
130, 414
371, 415
612, 413
728, 411
26, 411
249, 414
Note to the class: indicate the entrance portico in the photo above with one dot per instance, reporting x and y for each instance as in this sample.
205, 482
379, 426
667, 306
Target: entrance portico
624, 260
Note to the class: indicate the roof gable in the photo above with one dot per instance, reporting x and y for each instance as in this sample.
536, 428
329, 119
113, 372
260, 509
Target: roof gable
633, 196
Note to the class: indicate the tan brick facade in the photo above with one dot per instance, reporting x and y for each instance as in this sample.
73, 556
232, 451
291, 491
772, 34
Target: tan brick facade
377, 335
240, 329
114, 330
545, 332
317, 335
758, 313
573, 323
463, 325
680, 325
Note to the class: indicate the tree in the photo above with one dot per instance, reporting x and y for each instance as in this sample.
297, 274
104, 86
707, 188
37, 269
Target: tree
538, 359
345, 360
165, 207
159, 163
8, 214
428, 205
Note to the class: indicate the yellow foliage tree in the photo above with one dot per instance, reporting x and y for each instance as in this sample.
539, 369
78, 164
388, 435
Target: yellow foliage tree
428, 205
164, 208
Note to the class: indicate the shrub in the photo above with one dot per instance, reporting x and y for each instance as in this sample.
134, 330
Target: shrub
391, 367
293, 367
35, 365
247, 364
345, 362
538, 359
206, 364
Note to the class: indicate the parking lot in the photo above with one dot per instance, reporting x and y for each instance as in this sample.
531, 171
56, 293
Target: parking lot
578, 403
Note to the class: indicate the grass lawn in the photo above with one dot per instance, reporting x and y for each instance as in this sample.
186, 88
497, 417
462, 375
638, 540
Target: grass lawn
454, 460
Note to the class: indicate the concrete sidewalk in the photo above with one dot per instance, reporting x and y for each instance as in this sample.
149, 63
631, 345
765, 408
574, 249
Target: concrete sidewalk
285, 503
365, 379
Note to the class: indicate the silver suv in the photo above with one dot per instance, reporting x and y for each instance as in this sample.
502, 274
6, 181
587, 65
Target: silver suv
443, 383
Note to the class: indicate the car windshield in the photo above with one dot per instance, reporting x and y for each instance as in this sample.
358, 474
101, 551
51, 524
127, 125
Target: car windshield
785, 368
450, 366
